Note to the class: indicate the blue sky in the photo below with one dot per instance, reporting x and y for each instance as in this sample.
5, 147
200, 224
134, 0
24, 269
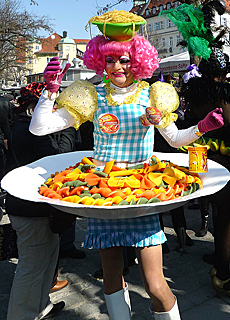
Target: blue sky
71, 15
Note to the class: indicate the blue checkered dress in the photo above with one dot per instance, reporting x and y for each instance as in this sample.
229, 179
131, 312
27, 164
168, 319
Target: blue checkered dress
132, 143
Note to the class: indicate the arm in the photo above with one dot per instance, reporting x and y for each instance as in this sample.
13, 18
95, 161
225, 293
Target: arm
178, 138
44, 121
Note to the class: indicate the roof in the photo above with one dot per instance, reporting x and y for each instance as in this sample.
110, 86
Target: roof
50, 44
67, 40
81, 41
157, 3
153, 3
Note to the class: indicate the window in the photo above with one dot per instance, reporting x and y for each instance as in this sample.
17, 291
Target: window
163, 42
176, 4
29, 61
35, 61
67, 48
161, 8
162, 24
154, 11
168, 6
37, 47
48, 59
225, 22
155, 27
158, 25
147, 12
150, 27
171, 41
177, 39
169, 24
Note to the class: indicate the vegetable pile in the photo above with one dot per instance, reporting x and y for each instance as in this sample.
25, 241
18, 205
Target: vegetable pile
151, 182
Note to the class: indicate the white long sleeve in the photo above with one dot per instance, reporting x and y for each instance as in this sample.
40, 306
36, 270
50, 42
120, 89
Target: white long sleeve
44, 121
178, 138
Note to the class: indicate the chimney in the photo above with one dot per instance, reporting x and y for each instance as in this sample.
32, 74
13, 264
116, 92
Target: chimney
64, 34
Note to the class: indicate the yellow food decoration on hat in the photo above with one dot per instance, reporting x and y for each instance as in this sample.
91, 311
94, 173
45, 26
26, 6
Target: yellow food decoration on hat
118, 25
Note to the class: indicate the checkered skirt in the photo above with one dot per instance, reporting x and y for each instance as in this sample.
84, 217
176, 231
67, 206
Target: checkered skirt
136, 232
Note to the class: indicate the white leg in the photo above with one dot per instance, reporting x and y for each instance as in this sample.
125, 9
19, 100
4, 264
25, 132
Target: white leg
118, 305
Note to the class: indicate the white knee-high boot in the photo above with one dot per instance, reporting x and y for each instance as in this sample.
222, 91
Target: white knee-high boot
118, 304
172, 314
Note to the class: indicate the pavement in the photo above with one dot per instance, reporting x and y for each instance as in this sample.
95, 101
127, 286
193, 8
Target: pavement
186, 273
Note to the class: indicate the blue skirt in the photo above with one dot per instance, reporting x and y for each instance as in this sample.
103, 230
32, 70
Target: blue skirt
133, 232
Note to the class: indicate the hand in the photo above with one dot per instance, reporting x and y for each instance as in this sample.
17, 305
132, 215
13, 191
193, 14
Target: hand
212, 121
50, 74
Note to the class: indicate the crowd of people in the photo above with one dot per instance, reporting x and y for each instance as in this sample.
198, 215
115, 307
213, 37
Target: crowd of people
43, 128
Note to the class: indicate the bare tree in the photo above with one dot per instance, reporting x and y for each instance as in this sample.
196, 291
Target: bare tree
101, 10
17, 28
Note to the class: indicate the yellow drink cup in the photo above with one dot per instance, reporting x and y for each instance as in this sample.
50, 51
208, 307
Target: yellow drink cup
198, 159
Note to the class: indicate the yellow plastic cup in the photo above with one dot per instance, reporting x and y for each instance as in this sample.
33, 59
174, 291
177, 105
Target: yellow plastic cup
198, 159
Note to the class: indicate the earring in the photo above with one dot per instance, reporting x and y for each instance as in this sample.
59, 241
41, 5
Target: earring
106, 78
134, 81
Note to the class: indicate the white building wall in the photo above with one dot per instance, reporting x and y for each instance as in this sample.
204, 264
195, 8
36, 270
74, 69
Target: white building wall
163, 34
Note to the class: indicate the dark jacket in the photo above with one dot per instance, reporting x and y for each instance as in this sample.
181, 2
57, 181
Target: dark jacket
6, 116
24, 148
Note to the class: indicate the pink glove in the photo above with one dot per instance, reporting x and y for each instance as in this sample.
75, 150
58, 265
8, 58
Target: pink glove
50, 74
212, 121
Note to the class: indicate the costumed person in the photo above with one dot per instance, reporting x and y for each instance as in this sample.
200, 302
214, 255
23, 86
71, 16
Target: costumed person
38, 246
205, 89
124, 131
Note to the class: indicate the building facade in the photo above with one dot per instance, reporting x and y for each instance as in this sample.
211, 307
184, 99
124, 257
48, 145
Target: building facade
162, 33
39, 53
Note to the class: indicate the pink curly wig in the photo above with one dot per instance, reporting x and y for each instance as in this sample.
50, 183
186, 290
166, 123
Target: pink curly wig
144, 58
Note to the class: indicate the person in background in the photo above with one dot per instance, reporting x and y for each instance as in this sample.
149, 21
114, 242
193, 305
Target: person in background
211, 91
6, 122
38, 246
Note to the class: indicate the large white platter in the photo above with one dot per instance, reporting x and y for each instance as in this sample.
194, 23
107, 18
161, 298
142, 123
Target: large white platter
24, 182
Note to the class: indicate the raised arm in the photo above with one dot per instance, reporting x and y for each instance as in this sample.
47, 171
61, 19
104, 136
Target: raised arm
44, 120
